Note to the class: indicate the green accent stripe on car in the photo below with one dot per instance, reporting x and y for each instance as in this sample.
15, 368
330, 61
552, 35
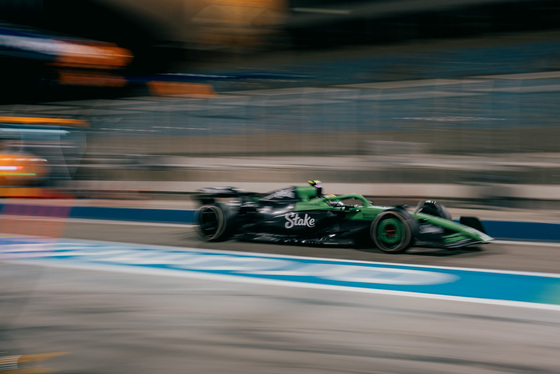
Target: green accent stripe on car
465, 231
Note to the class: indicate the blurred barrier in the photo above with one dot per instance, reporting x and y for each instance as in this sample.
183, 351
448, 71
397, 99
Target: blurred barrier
507, 114
508, 230
479, 193
51, 226
523, 230
510, 120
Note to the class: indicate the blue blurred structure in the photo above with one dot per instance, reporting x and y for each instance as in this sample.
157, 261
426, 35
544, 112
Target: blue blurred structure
227, 32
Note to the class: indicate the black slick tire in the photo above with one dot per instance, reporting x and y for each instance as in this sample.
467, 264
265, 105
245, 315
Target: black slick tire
214, 222
392, 231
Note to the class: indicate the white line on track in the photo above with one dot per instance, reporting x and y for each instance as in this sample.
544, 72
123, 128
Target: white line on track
269, 255
123, 268
260, 281
533, 243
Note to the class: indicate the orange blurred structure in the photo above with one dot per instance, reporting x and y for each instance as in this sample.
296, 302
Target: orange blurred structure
43, 121
32, 152
237, 23
162, 88
92, 55
91, 63
22, 169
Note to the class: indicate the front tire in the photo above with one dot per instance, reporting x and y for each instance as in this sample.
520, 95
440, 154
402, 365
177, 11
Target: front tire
214, 222
391, 231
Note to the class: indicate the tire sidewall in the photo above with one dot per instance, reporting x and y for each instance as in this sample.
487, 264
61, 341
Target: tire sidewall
223, 217
406, 228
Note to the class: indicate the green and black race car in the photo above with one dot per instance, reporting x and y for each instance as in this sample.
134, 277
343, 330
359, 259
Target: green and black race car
302, 214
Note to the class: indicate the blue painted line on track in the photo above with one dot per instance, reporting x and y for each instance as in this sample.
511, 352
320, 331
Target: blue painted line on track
508, 230
488, 286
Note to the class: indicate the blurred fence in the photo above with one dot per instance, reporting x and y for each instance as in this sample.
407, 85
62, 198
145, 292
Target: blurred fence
508, 114
477, 129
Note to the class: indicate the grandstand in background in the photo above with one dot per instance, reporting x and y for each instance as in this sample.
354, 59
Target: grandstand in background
162, 35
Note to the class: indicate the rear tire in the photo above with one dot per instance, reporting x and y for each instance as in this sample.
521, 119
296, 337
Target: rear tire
214, 222
392, 231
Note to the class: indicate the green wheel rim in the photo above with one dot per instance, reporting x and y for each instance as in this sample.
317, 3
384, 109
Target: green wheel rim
390, 231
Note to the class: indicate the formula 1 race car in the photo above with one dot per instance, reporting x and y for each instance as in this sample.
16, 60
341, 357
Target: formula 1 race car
302, 214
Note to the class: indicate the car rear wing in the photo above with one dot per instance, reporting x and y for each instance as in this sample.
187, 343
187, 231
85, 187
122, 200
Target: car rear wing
210, 194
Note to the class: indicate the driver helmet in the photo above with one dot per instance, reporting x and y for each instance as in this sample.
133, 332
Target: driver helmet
317, 184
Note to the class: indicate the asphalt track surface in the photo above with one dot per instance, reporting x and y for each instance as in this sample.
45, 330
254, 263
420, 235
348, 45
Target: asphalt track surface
115, 322
530, 257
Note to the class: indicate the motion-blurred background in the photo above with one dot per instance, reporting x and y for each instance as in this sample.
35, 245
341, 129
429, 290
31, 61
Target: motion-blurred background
123, 98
